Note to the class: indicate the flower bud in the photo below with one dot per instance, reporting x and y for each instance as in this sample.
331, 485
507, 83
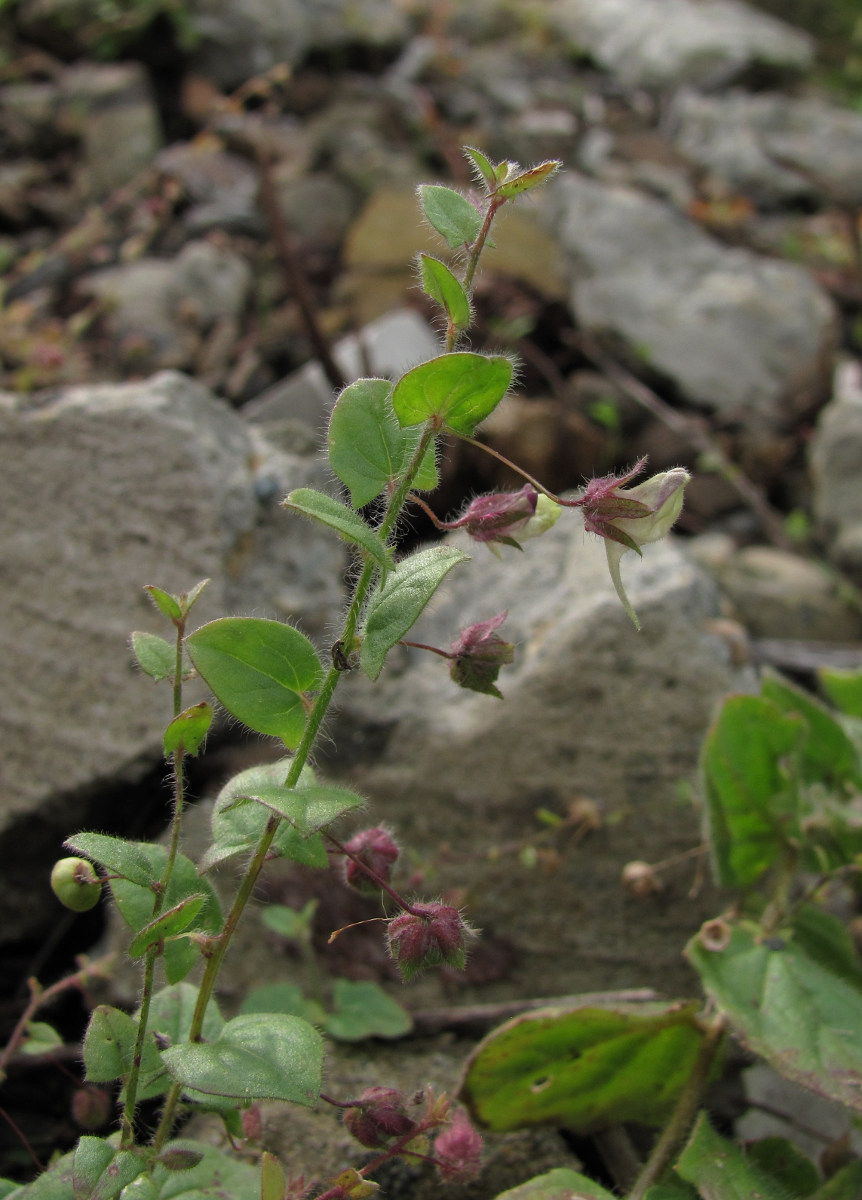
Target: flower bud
380, 1116
628, 518
375, 849
478, 654
76, 884
497, 516
429, 935
92, 1107
458, 1151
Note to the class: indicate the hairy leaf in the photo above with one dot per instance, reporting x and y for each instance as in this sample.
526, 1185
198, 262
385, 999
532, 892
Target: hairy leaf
459, 390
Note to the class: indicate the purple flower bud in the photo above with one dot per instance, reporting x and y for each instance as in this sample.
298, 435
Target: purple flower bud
429, 935
478, 654
375, 849
497, 516
380, 1115
458, 1151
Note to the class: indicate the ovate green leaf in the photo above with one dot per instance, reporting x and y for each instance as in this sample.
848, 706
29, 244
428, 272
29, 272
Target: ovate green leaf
41, 1038
259, 670
721, 1171
560, 1184
109, 1044
440, 284
528, 179
128, 859
451, 214
167, 924
258, 1056
308, 808
459, 390
844, 689
100, 1171
399, 600
167, 604
827, 754
188, 730
156, 657
367, 447
483, 165
363, 1010
329, 511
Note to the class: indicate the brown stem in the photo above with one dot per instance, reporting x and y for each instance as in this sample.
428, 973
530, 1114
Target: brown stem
425, 646
371, 873
284, 244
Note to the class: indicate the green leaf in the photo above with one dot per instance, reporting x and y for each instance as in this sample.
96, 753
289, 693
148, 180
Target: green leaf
751, 800
258, 1056
219, 1175
583, 1069
827, 940
459, 389
136, 906
784, 1162
787, 1007
293, 923
171, 1012
528, 179
844, 689
399, 599
309, 809
156, 657
483, 165
8, 1187
116, 855
440, 284
167, 604
100, 1172
363, 1010
260, 671
368, 449
188, 730
720, 1170
237, 824
41, 1038
845, 1184
109, 1044
190, 598
283, 998
273, 1184
560, 1184
329, 511
167, 924
451, 214
827, 753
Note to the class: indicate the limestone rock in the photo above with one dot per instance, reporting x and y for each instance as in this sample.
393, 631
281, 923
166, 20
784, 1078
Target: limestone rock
736, 333
105, 489
663, 44
836, 455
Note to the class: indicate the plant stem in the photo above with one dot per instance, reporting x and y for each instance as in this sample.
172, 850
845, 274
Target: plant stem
685, 1112
300, 758
478, 246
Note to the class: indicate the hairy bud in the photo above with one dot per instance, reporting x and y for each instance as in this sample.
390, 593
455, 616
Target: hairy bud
458, 1150
478, 654
428, 936
374, 849
378, 1117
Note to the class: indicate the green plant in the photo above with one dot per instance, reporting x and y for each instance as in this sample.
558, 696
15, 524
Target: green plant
782, 789
177, 1048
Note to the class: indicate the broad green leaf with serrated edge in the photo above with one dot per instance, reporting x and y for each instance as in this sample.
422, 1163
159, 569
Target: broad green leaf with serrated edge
528, 179
751, 799
258, 1056
259, 670
167, 924
560, 1184
100, 1172
109, 1044
459, 389
440, 284
368, 448
787, 1007
41, 1038
329, 511
451, 214
827, 754
283, 998
399, 600
155, 656
308, 808
363, 1010
844, 689
484, 166
273, 1184
136, 906
584, 1069
236, 825
721, 1171
167, 604
188, 730
129, 859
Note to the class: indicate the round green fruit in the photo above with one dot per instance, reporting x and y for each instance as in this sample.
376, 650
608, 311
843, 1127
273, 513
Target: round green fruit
76, 884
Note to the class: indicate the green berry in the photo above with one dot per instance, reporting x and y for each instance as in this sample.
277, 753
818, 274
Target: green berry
76, 884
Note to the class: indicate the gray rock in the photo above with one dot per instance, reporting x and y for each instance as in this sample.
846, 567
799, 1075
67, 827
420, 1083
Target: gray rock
770, 147
736, 333
836, 468
318, 209
664, 44
235, 43
780, 595
105, 489
592, 709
